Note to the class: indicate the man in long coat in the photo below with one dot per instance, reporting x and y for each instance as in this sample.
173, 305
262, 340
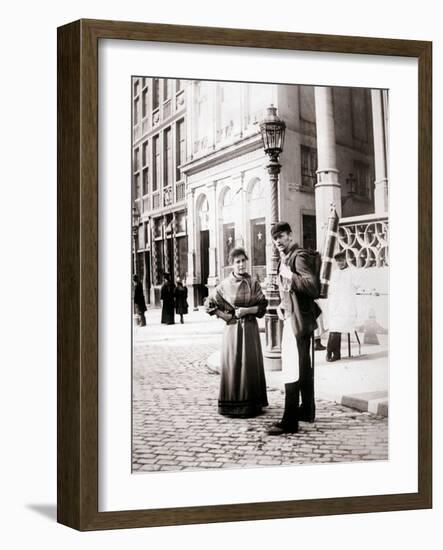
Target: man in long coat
139, 301
299, 286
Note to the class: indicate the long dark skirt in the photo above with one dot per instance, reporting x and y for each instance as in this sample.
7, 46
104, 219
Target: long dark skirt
168, 315
243, 383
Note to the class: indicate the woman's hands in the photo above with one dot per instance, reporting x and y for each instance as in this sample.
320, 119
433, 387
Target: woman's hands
242, 311
223, 315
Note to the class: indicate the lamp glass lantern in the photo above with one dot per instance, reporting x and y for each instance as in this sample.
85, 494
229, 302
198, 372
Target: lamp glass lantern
272, 130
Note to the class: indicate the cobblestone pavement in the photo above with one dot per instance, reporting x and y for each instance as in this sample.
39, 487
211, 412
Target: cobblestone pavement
176, 425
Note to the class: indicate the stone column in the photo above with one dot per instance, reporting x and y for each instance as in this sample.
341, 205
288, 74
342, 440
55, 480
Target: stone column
190, 279
327, 189
213, 280
379, 121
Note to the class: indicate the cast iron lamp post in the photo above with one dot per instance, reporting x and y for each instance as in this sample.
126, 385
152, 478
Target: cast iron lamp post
272, 130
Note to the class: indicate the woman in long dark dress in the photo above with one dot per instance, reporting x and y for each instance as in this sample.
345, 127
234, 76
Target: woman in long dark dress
239, 300
181, 300
167, 296
139, 301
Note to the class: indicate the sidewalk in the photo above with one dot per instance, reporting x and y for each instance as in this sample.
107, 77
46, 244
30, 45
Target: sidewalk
360, 382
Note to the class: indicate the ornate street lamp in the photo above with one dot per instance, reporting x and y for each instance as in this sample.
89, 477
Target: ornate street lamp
272, 130
135, 226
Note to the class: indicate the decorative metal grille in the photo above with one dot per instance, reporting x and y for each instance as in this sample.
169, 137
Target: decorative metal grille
180, 191
167, 196
365, 242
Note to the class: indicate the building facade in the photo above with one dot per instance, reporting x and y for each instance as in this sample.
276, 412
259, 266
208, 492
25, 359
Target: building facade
335, 151
159, 198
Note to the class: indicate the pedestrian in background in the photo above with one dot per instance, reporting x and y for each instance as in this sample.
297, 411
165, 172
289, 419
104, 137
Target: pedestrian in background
181, 300
239, 300
342, 304
139, 301
299, 286
167, 297
319, 331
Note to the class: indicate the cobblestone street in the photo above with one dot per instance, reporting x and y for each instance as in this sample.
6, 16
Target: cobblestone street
176, 425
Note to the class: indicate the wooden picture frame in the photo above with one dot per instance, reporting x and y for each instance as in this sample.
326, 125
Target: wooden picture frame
78, 467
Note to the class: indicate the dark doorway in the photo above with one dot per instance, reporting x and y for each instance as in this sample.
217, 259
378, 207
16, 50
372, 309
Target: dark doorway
309, 232
258, 249
170, 249
204, 264
147, 278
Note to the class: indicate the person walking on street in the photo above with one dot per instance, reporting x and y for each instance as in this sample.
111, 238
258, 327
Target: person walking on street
299, 286
139, 301
167, 297
239, 300
342, 305
181, 300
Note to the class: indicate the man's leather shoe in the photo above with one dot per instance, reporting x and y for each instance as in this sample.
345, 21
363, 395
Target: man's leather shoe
280, 430
306, 417
318, 346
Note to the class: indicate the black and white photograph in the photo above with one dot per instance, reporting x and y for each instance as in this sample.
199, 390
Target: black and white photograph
260, 274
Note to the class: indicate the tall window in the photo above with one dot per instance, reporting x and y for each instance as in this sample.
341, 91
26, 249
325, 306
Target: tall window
144, 102
308, 166
145, 182
156, 163
136, 186
136, 160
362, 175
167, 157
145, 153
179, 85
155, 93
180, 148
167, 86
136, 110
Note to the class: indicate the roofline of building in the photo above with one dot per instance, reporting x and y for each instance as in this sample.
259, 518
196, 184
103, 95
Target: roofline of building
235, 149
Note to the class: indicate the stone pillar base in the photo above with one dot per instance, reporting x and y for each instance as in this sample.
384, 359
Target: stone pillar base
192, 293
272, 352
272, 363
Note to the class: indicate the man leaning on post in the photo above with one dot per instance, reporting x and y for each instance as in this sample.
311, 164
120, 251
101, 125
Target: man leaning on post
299, 286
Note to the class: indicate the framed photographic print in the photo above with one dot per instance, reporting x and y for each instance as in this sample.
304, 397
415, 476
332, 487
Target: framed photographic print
244, 275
